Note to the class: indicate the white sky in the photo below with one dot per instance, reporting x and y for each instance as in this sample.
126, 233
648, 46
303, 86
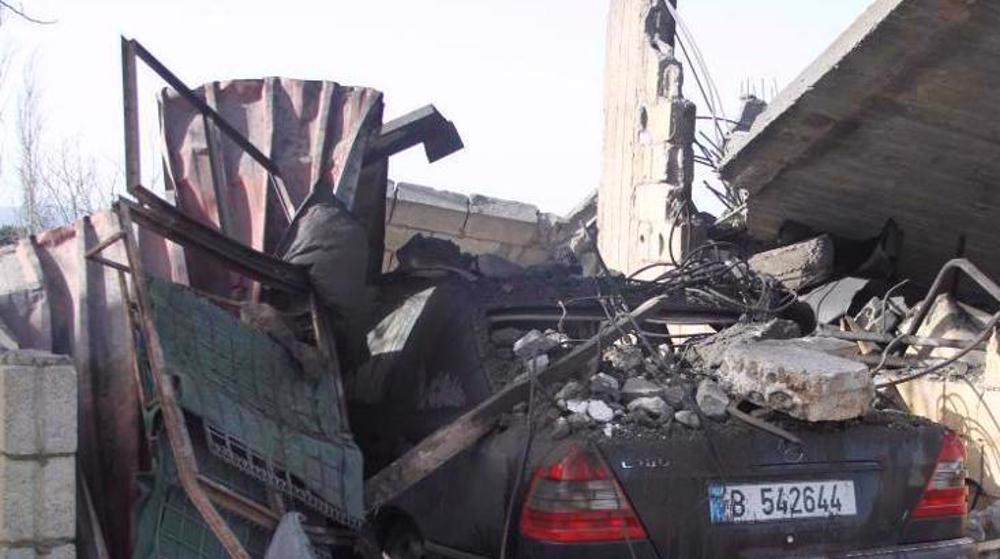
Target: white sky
522, 79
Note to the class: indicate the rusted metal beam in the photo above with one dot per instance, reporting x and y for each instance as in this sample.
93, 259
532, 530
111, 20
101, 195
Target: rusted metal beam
110, 264
941, 284
130, 101
861, 336
239, 505
445, 443
759, 423
173, 418
423, 126
161, 218
278, 184
99, 247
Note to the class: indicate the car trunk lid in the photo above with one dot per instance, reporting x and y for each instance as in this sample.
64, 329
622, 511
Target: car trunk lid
688, 486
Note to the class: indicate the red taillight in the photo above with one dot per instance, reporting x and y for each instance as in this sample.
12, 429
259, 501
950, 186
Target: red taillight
574, 497
946, 493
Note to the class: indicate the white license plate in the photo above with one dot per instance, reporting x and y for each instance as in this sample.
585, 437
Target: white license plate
762, 502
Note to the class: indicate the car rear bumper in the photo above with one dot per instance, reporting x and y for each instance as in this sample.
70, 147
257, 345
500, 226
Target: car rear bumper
960, 548
530, 549
947, 549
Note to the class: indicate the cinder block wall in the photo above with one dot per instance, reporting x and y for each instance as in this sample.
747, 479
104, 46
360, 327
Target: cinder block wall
38, 442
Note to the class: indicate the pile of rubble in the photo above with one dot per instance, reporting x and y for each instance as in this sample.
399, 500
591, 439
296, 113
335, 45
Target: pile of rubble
638, 388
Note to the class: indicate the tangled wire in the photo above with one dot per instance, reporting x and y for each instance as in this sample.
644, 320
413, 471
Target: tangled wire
717, 275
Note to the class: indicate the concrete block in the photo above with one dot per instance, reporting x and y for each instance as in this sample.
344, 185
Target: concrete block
33, 358
502, 221
18, 553
17, 499
800, 381
67, 551
799, 265
37, 499
427, 209
38, 407
59, 410
18, 426
55, 507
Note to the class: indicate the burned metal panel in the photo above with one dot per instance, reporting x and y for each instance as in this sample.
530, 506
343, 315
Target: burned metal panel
311, 130
898, 119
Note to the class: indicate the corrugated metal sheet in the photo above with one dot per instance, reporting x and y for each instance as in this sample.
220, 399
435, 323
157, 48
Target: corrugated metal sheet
313, 131
900, 118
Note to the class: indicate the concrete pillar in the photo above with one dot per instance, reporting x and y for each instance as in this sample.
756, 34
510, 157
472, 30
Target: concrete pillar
648, 134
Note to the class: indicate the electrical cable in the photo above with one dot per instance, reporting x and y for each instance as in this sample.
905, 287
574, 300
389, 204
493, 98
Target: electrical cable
987, 332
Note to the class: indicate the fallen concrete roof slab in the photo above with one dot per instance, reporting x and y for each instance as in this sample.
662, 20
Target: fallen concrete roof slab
899, 118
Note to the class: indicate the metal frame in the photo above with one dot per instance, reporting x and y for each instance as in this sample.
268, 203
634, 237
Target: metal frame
173, 417
941, 284
132, 50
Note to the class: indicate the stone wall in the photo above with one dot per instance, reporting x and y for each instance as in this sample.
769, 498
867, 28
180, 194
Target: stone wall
478, 224
38, 443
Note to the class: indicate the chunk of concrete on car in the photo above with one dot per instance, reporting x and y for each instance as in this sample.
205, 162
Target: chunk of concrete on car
637, 387
654, 406
799, 265
534, 343
599, 411
624, 357
712, 350
603, 385
688, 418
804, 383
569, 391
712, 400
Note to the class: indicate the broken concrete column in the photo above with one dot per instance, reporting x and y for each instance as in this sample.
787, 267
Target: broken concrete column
648, 161
38, 443
797, 380
797, 266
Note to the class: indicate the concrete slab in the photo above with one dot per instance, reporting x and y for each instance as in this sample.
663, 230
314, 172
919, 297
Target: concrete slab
797, 380
897, 119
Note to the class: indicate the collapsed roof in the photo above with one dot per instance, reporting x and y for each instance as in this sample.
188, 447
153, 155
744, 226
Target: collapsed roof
897, 119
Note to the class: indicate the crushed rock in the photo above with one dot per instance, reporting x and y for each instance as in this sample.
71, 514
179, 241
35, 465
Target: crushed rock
576, 406
655, 407
688, 418
534, 343
572, 390
711, 399
638, 387
606, 386
624, 357
600, 411
676, 394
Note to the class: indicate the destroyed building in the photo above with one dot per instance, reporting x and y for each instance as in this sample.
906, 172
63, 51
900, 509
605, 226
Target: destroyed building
286, 354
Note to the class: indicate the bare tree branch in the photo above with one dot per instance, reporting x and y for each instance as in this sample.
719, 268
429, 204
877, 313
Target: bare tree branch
29, 136
19, 10
73, 184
